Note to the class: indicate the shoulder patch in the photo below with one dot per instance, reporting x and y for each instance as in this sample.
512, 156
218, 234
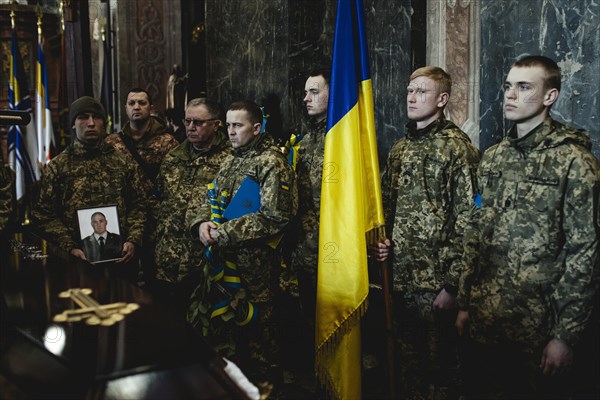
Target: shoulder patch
477, 200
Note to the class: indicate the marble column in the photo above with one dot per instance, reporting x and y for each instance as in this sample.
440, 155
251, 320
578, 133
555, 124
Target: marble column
247, 53
389, 37
263, 51
454, 44
148, 44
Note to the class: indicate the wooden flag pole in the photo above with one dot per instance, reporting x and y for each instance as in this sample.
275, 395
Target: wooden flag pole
389, 326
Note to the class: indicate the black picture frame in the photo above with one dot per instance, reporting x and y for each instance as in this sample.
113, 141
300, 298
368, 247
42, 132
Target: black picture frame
91, 227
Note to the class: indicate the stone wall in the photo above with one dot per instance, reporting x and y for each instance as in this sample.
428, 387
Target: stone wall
149, 43
566, 31
264, 50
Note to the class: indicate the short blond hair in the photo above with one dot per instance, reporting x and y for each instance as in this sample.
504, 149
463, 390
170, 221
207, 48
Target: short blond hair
441, 77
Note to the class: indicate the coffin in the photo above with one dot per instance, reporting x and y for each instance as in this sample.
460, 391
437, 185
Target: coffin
146, 353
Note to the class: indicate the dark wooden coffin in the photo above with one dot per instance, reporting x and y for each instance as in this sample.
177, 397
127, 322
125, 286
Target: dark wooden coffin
148, 354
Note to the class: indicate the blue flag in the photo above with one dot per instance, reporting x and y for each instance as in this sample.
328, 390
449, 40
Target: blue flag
22, 141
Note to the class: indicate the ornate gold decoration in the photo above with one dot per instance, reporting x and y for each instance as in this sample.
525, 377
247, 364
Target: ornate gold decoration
197, 32
150, 48
91, 311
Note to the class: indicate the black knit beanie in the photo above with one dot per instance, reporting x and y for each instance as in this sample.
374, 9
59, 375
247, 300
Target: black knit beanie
86, 104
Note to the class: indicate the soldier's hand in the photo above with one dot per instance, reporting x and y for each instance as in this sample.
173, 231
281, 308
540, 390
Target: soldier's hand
78, 253
128, 252
461, 321
204, 232
380, 250
443, 301
557, 358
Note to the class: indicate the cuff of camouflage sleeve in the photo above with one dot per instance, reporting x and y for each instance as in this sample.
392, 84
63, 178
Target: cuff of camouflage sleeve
70, 245
451, 289
222, 237
462, 302
194, 230
569, 338
136, 241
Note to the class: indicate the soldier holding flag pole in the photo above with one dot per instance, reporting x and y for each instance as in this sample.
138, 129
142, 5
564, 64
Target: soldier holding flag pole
351, 212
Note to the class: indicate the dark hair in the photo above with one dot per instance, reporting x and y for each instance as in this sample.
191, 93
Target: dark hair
552, 79
98, 213
212, 107
325, 72
255, 114
140, 90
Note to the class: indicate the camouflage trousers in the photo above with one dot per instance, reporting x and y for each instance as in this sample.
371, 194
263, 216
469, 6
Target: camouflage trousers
254, 347
258, 349
427, 361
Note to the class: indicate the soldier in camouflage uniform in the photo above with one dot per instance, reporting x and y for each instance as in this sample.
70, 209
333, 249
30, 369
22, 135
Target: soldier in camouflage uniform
6, 198
182, 183
90, 173
247, 241
427, 189
532, 254
305, 256
146, 139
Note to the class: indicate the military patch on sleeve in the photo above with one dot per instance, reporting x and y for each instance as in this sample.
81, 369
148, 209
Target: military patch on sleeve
284, 197
477, 200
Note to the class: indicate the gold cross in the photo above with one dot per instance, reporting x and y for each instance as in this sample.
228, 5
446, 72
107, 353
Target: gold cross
91, 311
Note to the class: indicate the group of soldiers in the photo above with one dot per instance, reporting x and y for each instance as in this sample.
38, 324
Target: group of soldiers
498, 251
495, 257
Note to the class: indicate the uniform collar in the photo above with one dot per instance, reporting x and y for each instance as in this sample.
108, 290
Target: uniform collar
261, 142
416, 134
81, 149
533, 139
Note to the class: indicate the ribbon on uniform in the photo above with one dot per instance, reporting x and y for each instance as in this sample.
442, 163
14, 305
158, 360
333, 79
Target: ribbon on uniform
292, 147
265, 116
224, 274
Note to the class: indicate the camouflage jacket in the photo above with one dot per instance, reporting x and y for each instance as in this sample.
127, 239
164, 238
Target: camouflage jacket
81, 177
427, 188
182, 183
152, 148
533, 257
305, 254
6, 197
243, 240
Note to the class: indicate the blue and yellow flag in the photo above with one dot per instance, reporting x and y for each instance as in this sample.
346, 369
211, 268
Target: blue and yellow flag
22, 140
43, 116
351, 207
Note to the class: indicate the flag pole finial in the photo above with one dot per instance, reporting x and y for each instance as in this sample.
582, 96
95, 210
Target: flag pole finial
40, 14
13, 7
61, 13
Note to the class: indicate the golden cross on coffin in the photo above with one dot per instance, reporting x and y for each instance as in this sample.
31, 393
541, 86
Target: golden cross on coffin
91, 311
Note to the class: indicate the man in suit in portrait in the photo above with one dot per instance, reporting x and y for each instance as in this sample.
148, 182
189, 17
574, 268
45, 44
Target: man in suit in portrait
101, 245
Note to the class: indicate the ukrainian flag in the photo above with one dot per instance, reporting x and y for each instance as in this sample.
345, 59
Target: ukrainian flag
351, 207
22, 141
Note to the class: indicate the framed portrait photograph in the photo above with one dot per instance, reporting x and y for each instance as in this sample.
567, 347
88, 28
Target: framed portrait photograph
100, 233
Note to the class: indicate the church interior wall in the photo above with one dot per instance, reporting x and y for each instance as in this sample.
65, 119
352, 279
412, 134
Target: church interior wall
262, 50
